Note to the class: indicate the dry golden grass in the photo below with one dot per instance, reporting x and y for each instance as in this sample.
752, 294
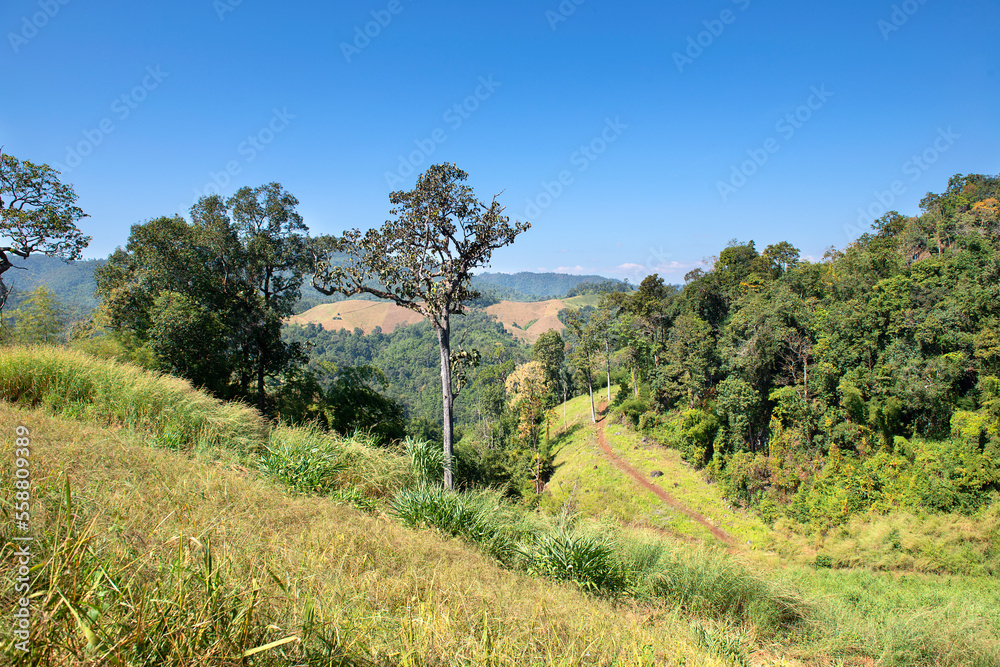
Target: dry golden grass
353, 314
388, 594
542, 316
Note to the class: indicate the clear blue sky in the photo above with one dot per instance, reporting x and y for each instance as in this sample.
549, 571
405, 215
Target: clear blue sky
183, 86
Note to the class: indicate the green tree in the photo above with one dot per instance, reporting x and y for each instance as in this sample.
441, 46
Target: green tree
688, 363
527, 389
550, 351
38, 214
40, 319
181, 330
584, 354
272, 260
355, 404
234, 273
423, 260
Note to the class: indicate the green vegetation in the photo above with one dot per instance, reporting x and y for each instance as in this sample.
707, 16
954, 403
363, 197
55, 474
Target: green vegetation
181, 553
822, 391
38, 216
423, 260
207, 298
72, 281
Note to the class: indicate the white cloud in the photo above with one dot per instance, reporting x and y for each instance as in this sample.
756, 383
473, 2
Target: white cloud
629, 268
577, 270
675, 268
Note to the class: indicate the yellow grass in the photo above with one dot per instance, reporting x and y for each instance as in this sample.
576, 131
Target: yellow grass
388, 594
532, 319
353, 314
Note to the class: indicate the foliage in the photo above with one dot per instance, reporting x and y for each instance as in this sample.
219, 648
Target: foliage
423, 260
40, 319
825, 389
587, 560
38, 214
353, 404
309, 460
409, 358
209, 296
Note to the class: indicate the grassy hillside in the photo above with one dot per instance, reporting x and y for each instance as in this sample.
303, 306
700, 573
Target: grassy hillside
886, 585
354, 314
157, 543
172, 529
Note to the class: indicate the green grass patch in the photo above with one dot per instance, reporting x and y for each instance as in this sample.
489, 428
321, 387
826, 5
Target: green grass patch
79, 386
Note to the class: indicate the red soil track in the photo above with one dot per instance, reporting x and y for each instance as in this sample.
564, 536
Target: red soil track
620, 463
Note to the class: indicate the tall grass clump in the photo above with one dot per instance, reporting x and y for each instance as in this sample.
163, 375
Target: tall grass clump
427, 460
310, 460
712, 584
482, 517
77, 385
588, 560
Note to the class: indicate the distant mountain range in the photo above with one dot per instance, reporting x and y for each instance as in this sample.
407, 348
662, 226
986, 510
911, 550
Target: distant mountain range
74, 285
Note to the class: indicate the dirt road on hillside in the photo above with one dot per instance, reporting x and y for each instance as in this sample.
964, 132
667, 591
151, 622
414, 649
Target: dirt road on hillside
622, 465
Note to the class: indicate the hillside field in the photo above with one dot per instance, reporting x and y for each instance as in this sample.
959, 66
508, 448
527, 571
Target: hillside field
526, 321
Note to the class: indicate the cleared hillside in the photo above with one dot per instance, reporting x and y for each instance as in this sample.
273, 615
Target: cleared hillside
356, 314
526, 321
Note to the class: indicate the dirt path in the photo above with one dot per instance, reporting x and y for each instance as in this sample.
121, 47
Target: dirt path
622, 465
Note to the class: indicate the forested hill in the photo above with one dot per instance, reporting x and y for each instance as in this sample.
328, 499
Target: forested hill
534, 286
72, 282
868, 380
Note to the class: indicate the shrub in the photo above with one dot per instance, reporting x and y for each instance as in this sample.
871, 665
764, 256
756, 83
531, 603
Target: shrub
313, 461
587, 560
481, 517
426, 459
632, 409
711, 584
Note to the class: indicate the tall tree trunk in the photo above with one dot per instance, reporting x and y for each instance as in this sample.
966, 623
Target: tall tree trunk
261, 398
590, 388
607, 354
444, 341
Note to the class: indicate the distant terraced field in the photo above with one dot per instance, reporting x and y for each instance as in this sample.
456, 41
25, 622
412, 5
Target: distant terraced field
364, 315
529, 320
526, 321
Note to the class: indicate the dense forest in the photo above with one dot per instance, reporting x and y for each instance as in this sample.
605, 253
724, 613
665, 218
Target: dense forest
821, 389
808, 389
408, 360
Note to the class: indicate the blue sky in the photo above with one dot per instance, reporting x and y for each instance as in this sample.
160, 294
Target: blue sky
637, 137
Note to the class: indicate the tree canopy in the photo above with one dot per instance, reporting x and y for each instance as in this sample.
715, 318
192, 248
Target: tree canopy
38, 214
208, 297
423, 260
